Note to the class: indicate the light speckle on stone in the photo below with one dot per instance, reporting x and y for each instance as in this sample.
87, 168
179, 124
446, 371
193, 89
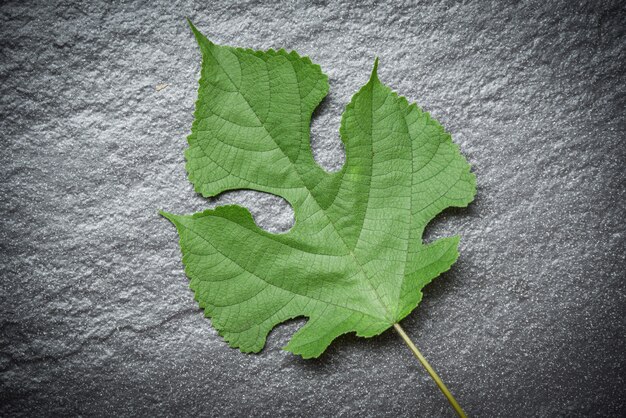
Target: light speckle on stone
96, 317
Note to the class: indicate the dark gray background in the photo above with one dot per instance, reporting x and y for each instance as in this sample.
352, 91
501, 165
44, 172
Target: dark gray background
95, 312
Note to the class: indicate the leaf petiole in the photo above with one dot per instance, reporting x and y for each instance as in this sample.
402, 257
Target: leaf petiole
431, 371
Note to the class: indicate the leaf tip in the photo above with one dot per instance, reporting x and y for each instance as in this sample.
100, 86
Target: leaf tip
169, 216
374, 76
199, 36
191, 25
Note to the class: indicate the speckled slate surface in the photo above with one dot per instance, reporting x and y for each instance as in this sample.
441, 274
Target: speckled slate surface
95, 314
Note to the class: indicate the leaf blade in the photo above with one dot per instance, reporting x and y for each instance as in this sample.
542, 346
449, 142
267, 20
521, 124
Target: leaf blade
354, 260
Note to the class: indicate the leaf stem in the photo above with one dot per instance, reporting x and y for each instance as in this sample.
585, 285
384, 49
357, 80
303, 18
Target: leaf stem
431, 371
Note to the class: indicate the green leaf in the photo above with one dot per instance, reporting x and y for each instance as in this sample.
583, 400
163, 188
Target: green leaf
354, 261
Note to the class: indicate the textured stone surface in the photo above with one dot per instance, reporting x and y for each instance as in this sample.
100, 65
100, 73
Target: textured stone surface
95, 314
